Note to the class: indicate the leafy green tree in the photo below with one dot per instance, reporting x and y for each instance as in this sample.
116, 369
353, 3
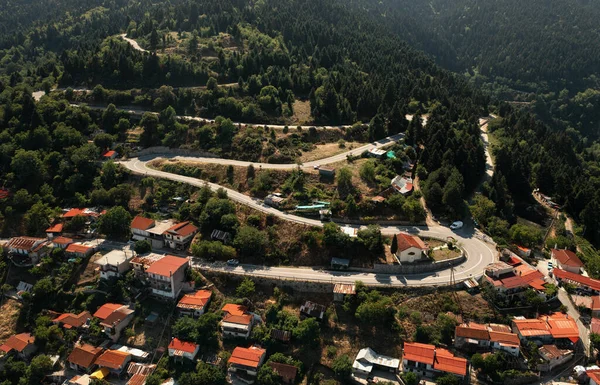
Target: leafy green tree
267, 376
344, 181
342, 366
250, 241
28, 169
448, 379
371, 238
482, 209
367, 171
39, 366
351, 207
307, 332
212, 250
410, 378
246, 288
142, 247
115, 223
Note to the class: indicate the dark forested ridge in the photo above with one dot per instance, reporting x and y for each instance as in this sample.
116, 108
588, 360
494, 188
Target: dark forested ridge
353, 61
345, 63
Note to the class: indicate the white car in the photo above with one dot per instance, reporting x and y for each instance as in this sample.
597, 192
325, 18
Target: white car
456, 225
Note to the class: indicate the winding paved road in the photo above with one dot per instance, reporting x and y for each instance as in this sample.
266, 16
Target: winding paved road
479, 253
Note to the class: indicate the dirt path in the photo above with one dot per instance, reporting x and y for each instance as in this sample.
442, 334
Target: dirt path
133, 43
429, 218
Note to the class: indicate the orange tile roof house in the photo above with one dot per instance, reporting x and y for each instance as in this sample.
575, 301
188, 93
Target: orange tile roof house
114, 360
83, 357
180, 236
594, 375
567, 260
577, 279
195, 304
22, 345
476, 337
114, 318
78, 250
234, 309
427, 360
26, 251
183, 349
70, 320
146, 229
54, 230
245, 362
237, 322
547, 328
61, 242
166, 275
410, 248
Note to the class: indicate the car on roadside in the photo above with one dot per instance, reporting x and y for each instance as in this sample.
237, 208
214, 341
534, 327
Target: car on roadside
233, 262
317, 166
456, 225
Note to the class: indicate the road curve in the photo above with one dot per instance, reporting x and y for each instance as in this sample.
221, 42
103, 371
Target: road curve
281, 166
479, 254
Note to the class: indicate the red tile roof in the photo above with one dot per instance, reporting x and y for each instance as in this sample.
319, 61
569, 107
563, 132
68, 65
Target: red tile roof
513, 282
137, 379
472, 330
57, 228
108, 154
25, 243
417, 352
445, 361
562, 326
234, 309
595, 303
567, 257
70, 320
167, 265
107, 309
249, 357
77, 248
4, 193
406, 241
595, 328
594, 375
62, 240
245, 319
84, 355
112, 359
531, 327
183, 229
141, 223
73, 213
505, 338
185, 346
195, 301
593, 284
17, 342
286, 372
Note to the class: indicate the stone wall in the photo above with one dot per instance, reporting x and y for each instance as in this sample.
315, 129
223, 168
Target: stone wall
162, 150
418, 267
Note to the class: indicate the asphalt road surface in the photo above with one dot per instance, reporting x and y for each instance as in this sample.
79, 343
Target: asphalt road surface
479, 253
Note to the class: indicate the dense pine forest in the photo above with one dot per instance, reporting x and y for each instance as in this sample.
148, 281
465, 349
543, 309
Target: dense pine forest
359, 61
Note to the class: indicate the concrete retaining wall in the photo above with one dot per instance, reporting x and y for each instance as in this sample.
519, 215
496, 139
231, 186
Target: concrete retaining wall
418, 267
162, 150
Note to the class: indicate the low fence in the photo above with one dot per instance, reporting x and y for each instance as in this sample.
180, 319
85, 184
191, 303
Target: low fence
319, 284
162, 150
418, 267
